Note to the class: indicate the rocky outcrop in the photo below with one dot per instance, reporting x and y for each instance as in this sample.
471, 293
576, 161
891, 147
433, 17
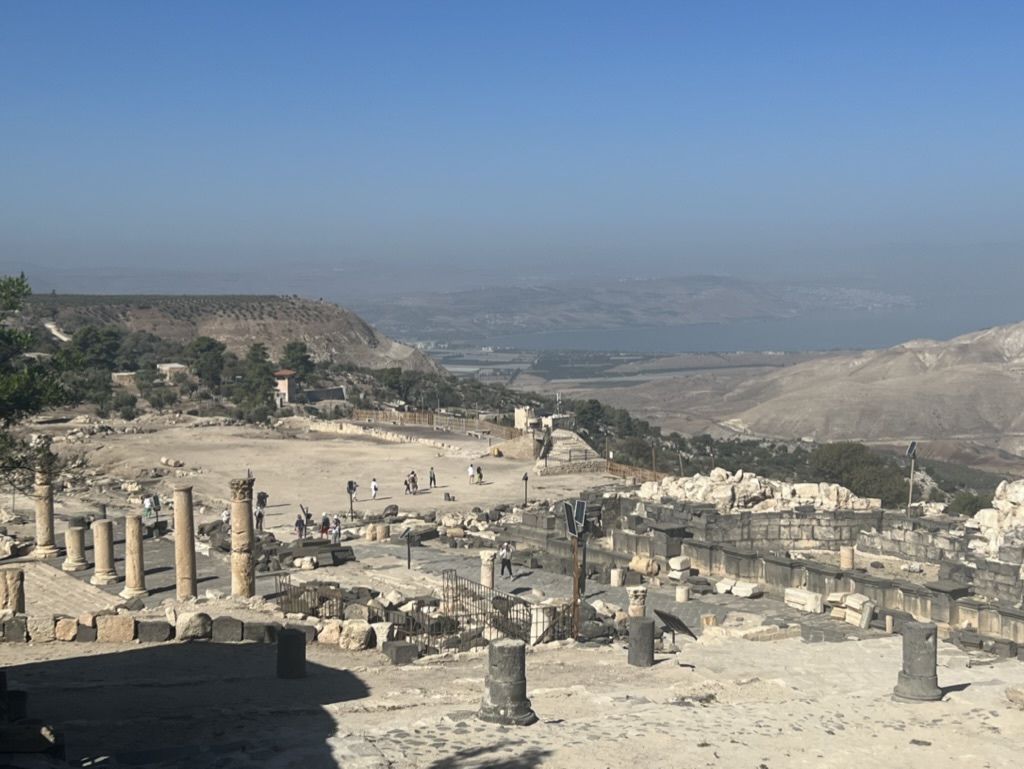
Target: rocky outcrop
733, 492
1002, 524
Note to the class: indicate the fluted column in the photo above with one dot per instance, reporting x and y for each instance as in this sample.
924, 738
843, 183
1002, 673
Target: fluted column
184, 543
243, 562
134, 565
12, 590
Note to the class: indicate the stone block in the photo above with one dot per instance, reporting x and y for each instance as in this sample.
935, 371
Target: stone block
65, 629
193, 626
400, 652
307, 630
838, 613
15, 629
803, 600
330, 633
747, 590
260, 632
724, 586
154, 631
856, 601
836, 599
115, 628
226, 630
357, 635
85, 633
867, 614
355, 611
42, 629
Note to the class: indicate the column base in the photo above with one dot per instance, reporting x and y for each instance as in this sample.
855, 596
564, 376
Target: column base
133, 592
104, 579
45, 551
74, 566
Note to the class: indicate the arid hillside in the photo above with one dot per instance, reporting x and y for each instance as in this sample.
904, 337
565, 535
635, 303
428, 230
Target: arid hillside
964, 396
329, 331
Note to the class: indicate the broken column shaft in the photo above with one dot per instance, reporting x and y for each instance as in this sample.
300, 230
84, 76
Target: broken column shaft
103, 553
505, 700
74, 544
918, 681
487, 567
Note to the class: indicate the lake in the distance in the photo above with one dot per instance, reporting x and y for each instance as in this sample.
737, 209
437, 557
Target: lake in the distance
836, 332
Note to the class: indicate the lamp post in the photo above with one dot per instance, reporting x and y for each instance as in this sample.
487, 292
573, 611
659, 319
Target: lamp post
526, 487
912, 453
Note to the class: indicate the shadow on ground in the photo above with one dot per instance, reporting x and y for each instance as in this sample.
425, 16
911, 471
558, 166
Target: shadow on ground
487, 757
159, 702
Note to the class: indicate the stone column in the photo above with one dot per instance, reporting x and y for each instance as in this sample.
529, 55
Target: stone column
617, 577
12, 590
103, 553
637, 601
505, 700
184, 543
641, 642
74, 543
487, 567
134, 565
682, 593
45, 547
243, 563
918, 681
846, 557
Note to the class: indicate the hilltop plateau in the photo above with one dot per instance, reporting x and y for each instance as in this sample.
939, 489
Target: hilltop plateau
328, 330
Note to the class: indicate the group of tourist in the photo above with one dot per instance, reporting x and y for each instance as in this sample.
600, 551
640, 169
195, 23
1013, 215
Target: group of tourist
476, 474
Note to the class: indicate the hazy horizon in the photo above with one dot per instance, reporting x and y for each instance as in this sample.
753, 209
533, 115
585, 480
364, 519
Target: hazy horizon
360, 151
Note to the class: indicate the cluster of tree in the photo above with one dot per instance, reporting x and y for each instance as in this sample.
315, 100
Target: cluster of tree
28, 385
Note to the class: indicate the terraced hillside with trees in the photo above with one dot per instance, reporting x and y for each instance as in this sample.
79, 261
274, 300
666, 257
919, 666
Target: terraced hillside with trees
329, 332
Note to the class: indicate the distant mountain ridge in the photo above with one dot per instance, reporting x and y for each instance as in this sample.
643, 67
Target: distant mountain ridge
587, 304
329, 331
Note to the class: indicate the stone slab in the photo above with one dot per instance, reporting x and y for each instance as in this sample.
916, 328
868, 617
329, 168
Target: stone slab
154, 631
115, 628
227, 630
400, 652
85, 633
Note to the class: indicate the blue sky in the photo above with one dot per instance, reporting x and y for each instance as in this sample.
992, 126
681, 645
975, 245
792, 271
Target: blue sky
616, 138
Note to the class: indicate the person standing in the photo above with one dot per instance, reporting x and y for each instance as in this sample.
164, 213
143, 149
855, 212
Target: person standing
373, 488
505, 555
300, 527
258, 514
480, 475
147, 506
470, 471
325, 525
432, 479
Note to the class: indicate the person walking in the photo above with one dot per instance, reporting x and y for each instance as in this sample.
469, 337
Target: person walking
325, 525
300, 527
414, 484
373, 488
505, 555
432, 479
147, 506
470, 471
480, 475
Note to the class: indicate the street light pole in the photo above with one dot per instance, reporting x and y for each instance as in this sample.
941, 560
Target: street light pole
526, 487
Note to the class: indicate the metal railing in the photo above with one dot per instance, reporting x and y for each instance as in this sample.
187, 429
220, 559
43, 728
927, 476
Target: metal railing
315, 599
439, 421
